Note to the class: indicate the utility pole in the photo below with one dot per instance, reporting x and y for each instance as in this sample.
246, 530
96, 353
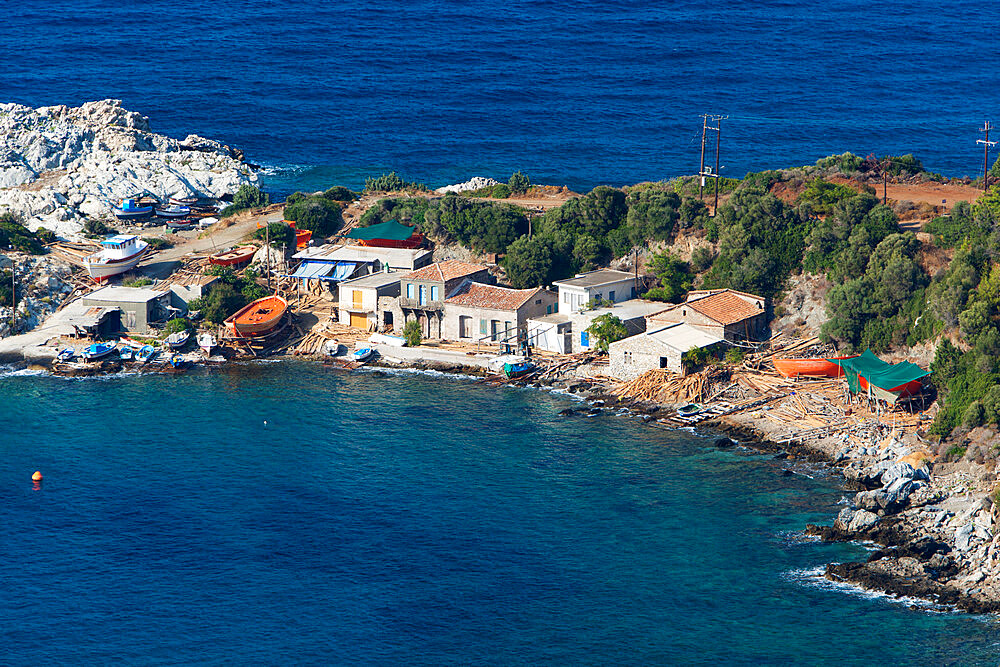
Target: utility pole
710, 173
267, 253
986, 153
13, 295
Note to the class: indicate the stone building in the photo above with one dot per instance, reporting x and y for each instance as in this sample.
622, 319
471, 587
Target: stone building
360, 299
423, 293
659, 348
138, 306
477, 312
726, 313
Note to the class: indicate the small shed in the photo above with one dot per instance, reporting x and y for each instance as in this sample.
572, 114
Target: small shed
139, 306
661, 348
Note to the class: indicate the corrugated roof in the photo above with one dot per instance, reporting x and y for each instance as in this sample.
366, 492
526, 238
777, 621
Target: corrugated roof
376, 280
480, 295
124, 294
725, 307
446, 270
683, 337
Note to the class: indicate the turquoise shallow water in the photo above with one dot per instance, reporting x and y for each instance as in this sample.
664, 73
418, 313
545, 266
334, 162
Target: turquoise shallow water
412, 519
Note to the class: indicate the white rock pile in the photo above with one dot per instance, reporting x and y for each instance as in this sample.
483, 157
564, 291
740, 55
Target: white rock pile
475, 183
59, 165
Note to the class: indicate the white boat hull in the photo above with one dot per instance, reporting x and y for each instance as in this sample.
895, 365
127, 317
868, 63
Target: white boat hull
100, 270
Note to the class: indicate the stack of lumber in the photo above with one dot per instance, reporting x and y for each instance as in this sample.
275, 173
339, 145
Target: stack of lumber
662, 386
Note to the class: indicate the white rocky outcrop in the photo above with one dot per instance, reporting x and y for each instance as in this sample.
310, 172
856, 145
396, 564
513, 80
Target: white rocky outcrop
59, 165
475, 183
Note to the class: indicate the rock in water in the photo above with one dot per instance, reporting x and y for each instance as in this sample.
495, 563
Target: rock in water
60, 164
862, 520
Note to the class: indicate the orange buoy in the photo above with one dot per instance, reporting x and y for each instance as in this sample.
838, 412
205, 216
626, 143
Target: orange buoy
37, 477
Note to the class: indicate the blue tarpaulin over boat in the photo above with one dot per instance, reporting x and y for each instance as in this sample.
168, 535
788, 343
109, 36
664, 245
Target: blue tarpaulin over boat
308, 270
335, 271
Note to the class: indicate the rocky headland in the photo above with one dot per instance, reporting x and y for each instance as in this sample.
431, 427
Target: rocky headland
60, 164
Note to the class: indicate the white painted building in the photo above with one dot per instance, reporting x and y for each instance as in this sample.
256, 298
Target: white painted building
602, 284
566, 332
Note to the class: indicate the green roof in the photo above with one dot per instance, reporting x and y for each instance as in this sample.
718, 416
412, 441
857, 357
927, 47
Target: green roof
878, 373
387, 231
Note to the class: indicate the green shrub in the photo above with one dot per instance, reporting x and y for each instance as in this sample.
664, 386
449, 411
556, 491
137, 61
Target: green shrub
607, 329
735, 355
501, 191
339, 193
249, 196
157, 243
45, 235
138, 282
674, 276
177, 324
6, 289
955, 452
279, 234
518, 183
412, 333
391, 182
13, 233
222, 302
317, 214
701, 259
93, 228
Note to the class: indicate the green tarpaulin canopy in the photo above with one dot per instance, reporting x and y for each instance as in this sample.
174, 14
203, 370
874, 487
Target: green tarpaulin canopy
388, 231
879, 374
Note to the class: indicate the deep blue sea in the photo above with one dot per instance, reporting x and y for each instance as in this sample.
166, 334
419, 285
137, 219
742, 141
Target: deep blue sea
285, 513
581, 93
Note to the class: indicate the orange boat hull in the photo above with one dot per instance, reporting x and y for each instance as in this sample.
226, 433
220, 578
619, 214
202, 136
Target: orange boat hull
911, 388
817, 367
237, 256
257, 318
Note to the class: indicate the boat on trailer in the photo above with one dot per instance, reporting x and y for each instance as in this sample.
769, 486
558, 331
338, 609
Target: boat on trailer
178, 339
146, 352
173, 211
130, 209
118, 254
206, 342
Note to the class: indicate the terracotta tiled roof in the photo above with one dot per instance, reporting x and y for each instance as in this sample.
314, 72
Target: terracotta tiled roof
479, 295
446, 270
725, 307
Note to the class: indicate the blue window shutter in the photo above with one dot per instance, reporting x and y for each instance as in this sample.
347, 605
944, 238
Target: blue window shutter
584, 339
409, 290
482, 327
434, 292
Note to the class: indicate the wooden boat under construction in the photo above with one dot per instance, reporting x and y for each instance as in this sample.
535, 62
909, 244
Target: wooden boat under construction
237, 255
814, 367
257, 318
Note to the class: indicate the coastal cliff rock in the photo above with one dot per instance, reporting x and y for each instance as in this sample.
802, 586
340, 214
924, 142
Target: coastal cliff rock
42, 287
59, 164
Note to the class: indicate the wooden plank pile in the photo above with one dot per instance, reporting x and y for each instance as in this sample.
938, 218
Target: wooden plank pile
662, 386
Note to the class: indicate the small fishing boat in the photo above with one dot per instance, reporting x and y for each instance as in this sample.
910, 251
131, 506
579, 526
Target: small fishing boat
183, 201
237, 255
176, 360
125, 353
813, 367
186, 223
178, 339
66, 354
98, 351
517, 369
118, 254
689, 409
206, 342
364, 354
204, 223
129, 209
146, 352
173, 211
257, 318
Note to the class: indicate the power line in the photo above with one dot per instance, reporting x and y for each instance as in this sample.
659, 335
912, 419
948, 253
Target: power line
709, 173
987, 144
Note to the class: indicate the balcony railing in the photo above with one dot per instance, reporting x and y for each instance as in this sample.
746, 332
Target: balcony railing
415, 304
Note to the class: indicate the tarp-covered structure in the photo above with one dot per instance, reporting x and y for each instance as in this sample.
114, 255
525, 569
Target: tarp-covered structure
390, 234
868, 374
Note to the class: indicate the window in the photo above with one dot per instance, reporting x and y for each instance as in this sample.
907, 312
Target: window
409, 290
537, 301
495, 329
434, 292
611, 295
633, 291
663, 362
628, 357
584, 339
482, 327
508, 329
464, 326
566, 297
423, 295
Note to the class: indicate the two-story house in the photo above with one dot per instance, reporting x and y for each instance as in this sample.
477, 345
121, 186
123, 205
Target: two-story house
593, 286
477, 312
423, 293
360, 299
